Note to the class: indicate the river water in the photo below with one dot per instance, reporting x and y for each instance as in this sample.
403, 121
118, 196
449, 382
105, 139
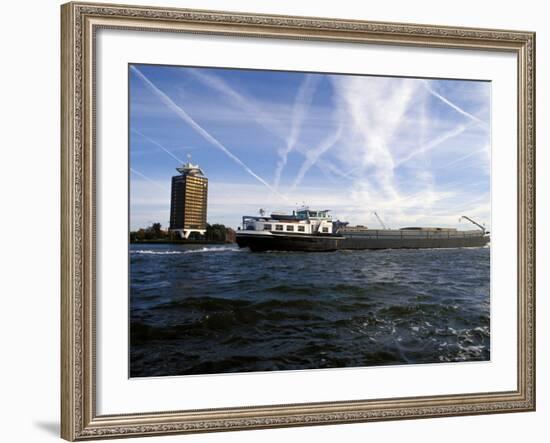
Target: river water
207, 309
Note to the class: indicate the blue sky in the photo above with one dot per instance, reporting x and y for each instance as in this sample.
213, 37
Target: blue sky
416, 151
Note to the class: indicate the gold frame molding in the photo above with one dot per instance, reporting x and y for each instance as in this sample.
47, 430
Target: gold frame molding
79, 22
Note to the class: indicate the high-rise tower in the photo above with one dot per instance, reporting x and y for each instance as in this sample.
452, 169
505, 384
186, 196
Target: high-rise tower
189, 201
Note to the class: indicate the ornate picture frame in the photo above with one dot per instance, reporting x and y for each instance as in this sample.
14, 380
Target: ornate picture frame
80, 22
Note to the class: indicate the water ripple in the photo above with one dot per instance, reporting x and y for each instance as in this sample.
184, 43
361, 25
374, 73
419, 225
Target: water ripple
209, 309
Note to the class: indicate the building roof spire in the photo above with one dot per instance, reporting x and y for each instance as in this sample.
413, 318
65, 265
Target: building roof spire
189, 168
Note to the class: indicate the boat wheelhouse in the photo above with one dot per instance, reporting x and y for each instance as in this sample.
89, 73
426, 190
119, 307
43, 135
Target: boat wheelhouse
303, 230
304, 221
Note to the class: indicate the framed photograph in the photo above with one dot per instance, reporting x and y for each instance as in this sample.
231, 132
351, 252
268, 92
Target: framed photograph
277, 221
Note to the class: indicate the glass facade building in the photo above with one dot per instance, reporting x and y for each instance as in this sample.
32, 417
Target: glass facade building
189, 200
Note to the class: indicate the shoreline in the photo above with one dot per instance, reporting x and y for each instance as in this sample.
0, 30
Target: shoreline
181, 242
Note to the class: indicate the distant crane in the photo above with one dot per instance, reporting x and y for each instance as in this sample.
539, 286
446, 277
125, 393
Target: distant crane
472, 221
380, 221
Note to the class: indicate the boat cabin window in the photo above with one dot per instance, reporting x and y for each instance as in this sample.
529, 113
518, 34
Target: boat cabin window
279, 227
325, 229
289, 228
301, 229
267, 227
304, 214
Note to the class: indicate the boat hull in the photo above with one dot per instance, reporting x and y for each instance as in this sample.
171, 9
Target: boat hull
414, 243
258, 243
329, 243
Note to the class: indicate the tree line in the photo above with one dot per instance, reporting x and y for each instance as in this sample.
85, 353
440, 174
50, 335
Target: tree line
214, 233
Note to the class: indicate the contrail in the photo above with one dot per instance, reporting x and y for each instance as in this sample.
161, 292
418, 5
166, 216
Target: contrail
464, 157
199, 129
258, 115
150, 140
451, 104
247, 105
436, 142
220, 85
302, 102
149, 179
325, 166
313, 155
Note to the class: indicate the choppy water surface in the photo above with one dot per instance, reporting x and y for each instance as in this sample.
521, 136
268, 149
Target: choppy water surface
216, 309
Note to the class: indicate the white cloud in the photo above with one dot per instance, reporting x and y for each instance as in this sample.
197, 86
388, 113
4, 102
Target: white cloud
228, 202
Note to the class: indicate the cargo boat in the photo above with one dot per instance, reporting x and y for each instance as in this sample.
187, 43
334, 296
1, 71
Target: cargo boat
313, 230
